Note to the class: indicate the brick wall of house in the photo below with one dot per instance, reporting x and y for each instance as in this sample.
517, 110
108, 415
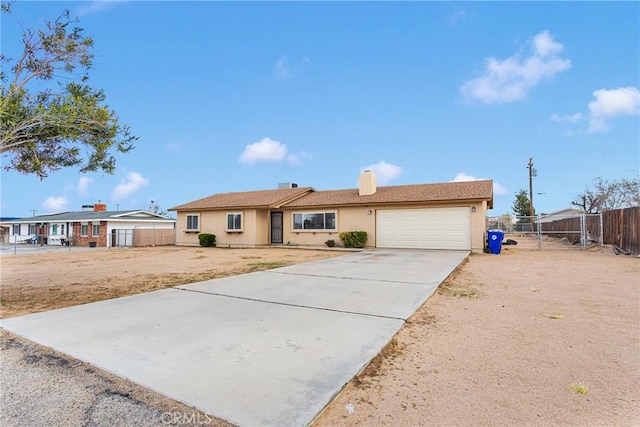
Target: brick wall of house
80, 240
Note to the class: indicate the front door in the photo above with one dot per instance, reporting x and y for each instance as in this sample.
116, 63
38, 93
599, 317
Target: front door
276, 227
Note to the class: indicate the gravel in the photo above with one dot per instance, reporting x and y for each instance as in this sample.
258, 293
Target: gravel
41, 387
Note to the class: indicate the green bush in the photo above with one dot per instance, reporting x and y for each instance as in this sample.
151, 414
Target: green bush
331, 243
353, 239
207, 240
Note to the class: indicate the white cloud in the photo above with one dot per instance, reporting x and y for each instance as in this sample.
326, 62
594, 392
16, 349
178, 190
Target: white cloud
623, 101
56, 204
498, 190
269, 150
83, 185
284, 69
456, 17
385, 172
464, 177
96, 6
132, 183
298, 158
265, 150
510, 79
572, 118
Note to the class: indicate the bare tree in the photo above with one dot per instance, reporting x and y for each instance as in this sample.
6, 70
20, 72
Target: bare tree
609, 195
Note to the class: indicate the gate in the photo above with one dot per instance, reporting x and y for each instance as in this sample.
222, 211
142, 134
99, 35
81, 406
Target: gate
550, 232
121, 238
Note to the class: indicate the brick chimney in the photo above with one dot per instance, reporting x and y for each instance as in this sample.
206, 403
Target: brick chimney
99, 207
367, 183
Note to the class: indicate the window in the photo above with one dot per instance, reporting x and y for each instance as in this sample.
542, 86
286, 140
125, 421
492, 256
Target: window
84, 230
32, 229
314, 221
16, 229
192, 222
234, 222
62, 229
54, 229
95, 230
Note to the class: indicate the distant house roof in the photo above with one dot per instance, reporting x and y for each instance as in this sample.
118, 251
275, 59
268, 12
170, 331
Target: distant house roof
246, 199
420, 193
308, 197
561, 214
137, 215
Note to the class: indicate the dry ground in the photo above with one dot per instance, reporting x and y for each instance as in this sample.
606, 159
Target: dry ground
44, 281
510, 339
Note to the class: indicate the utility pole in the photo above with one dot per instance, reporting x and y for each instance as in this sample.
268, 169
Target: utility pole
532, 173
33, 211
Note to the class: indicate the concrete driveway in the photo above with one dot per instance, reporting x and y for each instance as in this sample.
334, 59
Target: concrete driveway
268, 348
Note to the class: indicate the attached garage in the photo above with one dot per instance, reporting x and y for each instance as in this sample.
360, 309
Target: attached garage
446, 215
426, 228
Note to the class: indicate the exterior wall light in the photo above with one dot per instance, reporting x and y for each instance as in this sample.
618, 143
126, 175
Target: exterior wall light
369, 213
473, 208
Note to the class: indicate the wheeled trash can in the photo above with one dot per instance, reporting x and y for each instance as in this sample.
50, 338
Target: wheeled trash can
494, 240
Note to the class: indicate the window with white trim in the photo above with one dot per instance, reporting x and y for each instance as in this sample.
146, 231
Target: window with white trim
16, 229
192, 222
54, 229
314, 221
84, 230
234, 221
32, 229
95, 230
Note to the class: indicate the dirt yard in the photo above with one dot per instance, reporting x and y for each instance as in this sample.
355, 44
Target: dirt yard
527, 337
44, 281
524, 338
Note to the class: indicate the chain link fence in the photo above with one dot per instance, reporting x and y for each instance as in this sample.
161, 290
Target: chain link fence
550, 231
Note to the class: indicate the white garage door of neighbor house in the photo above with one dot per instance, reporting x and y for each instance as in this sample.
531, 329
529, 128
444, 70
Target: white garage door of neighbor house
431, 228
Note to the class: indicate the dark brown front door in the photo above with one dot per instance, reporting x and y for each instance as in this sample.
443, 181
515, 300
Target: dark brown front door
276, 227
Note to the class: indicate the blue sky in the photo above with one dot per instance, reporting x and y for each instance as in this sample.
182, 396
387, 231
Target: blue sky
238, 96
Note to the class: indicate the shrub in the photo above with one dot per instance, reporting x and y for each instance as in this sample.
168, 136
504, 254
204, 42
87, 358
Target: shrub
353, 239
331, 243
207, 240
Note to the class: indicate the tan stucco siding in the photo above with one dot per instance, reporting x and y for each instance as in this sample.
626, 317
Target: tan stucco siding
347, 219
215, 222
262, 230
256, 225
358, 219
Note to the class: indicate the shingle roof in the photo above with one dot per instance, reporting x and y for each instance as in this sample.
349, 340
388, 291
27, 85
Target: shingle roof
136, 215
245, 199
441, 192
307, 196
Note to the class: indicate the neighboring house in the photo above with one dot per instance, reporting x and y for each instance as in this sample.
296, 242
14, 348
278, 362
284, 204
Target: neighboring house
427, 216
561, 214
93, 226
5, 229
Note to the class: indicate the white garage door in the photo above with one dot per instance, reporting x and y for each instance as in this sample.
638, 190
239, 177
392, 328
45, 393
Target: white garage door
432, 228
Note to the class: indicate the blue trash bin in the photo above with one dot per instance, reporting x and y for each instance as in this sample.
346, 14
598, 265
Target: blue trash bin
494, 240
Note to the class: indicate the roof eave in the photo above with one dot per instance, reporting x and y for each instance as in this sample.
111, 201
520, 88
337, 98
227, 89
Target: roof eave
392, 203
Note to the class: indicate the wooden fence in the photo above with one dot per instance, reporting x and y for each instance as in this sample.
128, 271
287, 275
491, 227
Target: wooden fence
571, 228
153, 237
621, 227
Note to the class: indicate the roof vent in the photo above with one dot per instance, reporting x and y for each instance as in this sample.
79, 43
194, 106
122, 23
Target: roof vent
287, 185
